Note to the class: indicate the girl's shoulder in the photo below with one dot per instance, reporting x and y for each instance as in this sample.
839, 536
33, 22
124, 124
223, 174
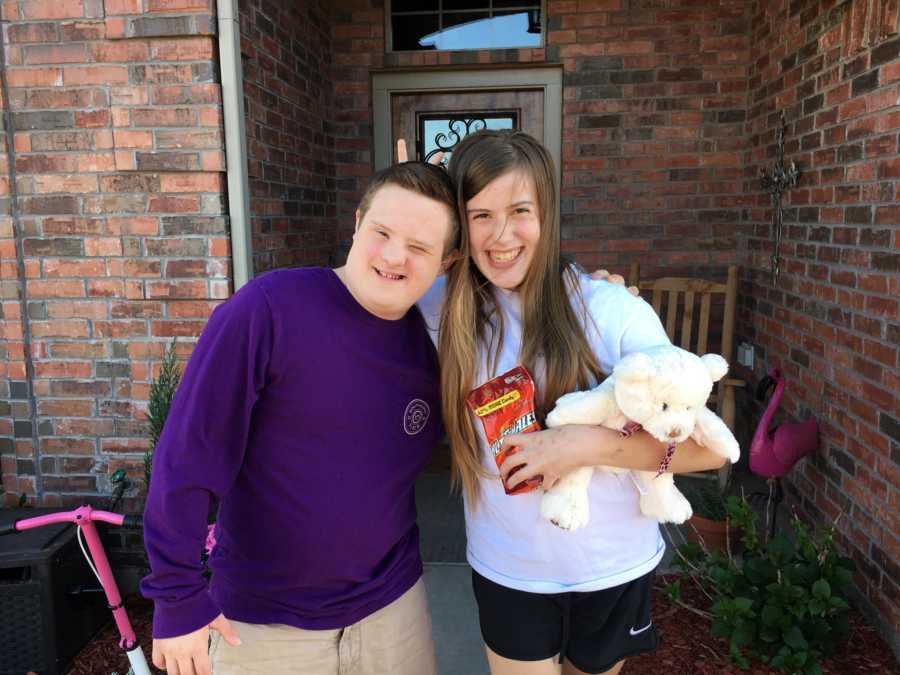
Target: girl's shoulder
617, 318
431, 304
606, 300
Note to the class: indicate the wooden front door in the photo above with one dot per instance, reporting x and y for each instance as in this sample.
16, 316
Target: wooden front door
432, 122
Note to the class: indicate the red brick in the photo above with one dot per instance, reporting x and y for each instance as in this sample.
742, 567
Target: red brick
176, 289
92, 118
33, 32
68, 446
114, 7
55, 289
61, 267
103, 246
77, 309
852, 109
75, 75
129, 95
133, 139
191, 309
170, 204
73, 31
53, 9
122, 52
135, 225
191, 182
120, 329
889, 168
105, 288
178, 5
34, 77
183, 49
66, 329
890, 72
66, 407
64, 53
160, 117
887, 215
599, 5
77, 183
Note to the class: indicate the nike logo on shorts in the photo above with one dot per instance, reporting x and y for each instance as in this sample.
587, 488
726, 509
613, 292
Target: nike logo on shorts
632, 631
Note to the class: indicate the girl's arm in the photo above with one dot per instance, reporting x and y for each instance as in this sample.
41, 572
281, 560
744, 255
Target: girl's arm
555, 452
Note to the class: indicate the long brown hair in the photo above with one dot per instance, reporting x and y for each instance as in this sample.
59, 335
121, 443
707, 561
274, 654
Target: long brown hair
551, 330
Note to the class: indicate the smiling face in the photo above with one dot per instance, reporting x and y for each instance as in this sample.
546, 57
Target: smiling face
504, 228
397, 251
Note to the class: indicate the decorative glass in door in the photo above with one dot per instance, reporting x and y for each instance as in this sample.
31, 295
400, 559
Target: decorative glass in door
432, 122
441, 132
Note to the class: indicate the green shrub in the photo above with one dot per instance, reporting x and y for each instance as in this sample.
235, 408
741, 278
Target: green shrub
162, 391
706, 500
783, 603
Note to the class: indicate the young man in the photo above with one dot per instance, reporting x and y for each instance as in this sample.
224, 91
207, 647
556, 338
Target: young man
307, 410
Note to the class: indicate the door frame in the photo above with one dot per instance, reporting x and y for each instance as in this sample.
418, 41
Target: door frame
385, 83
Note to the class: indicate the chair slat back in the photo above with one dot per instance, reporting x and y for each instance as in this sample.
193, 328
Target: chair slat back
675, 300
672, 297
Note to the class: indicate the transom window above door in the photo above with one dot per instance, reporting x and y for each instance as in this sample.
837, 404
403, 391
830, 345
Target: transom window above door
425, 25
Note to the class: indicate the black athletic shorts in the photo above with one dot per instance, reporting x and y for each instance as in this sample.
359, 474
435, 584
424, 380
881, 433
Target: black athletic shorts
593, 630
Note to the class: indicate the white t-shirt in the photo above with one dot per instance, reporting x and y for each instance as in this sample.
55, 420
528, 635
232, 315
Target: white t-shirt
508, 540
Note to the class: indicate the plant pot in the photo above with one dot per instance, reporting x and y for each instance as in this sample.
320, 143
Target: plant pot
713, 532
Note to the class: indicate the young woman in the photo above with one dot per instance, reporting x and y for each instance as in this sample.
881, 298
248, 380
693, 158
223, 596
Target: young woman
545, 596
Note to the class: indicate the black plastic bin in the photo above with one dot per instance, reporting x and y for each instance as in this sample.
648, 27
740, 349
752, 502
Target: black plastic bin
49, 607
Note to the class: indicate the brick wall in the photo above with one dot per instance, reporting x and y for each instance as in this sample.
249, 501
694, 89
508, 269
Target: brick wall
832, 322
118, 214
287, 52
14, 401
654, 106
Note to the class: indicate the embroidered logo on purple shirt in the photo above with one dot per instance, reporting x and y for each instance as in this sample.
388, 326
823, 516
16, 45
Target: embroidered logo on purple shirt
416, 416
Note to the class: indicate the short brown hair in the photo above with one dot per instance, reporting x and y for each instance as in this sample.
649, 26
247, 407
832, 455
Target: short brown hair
427, 180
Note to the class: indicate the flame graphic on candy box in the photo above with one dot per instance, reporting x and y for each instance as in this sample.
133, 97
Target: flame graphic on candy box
505, 405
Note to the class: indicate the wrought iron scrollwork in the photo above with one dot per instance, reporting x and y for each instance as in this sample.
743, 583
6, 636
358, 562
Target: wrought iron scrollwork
458, 128
777, 183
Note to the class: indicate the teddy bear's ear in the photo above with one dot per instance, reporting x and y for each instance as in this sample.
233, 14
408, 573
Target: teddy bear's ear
635, 367
716, 365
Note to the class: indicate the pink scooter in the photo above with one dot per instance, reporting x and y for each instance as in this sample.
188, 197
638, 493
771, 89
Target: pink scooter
773, 452
84, 518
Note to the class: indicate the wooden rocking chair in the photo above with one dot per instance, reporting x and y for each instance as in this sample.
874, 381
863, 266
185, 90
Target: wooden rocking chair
674, 300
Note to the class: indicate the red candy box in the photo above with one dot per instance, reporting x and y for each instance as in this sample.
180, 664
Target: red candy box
505, 405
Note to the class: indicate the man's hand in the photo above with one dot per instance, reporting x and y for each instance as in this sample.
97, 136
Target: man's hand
604, 275
402, 156
189, 654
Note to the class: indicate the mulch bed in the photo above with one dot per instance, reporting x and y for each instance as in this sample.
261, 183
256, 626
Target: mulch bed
686, 646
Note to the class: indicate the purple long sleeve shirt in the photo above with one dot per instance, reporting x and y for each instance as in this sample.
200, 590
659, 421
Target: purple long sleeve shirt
308, 419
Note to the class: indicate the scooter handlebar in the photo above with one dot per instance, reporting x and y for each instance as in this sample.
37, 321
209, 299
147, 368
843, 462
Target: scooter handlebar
83, 514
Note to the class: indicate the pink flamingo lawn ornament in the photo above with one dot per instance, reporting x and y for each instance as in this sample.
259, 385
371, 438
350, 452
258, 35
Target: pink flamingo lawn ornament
773, 452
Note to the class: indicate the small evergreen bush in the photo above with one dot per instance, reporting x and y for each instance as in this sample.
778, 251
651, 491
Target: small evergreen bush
162, 391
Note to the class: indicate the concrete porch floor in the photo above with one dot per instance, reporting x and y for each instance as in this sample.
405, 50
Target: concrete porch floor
454, 615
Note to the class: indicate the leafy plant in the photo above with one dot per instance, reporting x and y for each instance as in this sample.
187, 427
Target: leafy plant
707, 500
783, 603
162, 391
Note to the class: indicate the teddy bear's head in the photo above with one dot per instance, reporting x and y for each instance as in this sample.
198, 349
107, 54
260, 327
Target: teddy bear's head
662, 389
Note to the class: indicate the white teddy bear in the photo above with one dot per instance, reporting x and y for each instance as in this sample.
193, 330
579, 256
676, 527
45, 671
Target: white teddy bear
664, 390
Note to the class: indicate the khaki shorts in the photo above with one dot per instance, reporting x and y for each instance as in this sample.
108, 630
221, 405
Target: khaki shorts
395, 640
